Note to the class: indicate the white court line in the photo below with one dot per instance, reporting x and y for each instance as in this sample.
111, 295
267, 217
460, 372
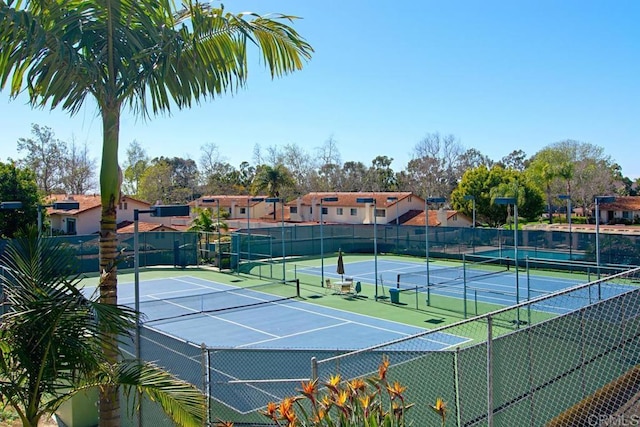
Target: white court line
293, 307
295, 334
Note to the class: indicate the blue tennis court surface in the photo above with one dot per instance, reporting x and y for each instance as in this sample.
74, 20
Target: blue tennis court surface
495, 286
288, 324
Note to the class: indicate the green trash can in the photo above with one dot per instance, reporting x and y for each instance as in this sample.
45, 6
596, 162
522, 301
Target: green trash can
394, 295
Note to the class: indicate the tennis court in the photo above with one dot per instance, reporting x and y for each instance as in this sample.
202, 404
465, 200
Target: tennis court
490, 283
265, 321
222, 315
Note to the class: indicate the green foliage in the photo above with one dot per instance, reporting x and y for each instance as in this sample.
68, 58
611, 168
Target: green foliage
272, 180
52, 338
17, 185
487, 184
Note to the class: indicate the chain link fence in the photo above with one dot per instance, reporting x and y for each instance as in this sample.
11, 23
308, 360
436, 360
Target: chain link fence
529, 364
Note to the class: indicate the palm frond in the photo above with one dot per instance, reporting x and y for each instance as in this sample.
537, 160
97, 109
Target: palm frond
183, 402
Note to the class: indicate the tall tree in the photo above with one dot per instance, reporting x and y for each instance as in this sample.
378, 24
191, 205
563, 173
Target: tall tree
272, 180
516, 160
45, 156
78, 176
135, 165
17, 185
380, 176
156, 182
144, 54
486, 184
436, 161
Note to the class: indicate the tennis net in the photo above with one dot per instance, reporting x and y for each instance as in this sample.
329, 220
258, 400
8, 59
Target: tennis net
439, 276
218, 301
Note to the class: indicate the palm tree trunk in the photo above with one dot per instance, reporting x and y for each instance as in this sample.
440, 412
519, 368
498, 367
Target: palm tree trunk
110, 195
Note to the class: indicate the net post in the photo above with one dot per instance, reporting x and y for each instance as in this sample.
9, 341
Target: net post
298, 288
528, 290
464, 285
314, 368
398, 281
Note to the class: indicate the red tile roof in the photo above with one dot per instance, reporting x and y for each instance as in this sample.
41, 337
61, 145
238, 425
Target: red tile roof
226, 201
349, 198
146, 226
86, 201
622, 203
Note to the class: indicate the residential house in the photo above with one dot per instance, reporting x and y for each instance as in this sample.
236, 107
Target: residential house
86, 219
390, 208
241, 210
624, 209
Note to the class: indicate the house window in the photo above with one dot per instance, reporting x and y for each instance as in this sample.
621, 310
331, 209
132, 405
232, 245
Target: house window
325, 210
626, 214
381, 213
339, 211
71, 226
311, 209
293, 209
243, 211
354, 211
125, 206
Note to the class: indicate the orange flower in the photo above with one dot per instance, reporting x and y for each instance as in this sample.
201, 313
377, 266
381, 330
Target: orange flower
224, 424
357, 384
271, 410
365, 400
398, 409
326, 401
309, 389
342, 398
286, 406
396, 390
291, 418
384, 366
333, 383
440, 408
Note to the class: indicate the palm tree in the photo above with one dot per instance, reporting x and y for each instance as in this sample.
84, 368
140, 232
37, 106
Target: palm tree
50, 340
144, 54
272, 180
204, 223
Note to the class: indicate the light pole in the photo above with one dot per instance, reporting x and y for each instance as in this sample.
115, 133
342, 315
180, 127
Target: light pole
284, 268
426, 236
567, 197
513, 201
375, 238
249, 200
323, 199
600, 199
218, 245
473, 200
395, 199
67, 205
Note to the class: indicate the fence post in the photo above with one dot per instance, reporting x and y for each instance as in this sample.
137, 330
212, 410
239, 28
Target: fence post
456, 367
314, 368
205, 383
489, 371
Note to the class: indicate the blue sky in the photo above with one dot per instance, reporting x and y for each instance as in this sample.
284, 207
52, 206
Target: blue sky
499, 75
